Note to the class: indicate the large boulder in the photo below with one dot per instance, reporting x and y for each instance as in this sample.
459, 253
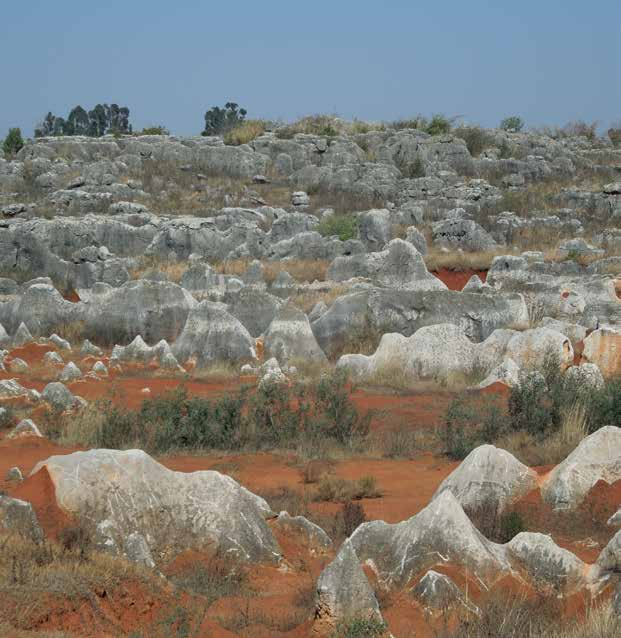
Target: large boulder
597, 458
255, 309
211, 334
438, 592
138, 352
384, 310
154, 309
289, 338
440, 533
173, 511
343, 592
603, 347
531, 347
433, 352
489, 479
400, 265
465, 234
546, 563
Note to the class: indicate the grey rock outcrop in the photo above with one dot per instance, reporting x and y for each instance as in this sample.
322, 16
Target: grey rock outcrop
289, 337
211, 334
596, 458
343, 591
489, 478
438, 534
171, 510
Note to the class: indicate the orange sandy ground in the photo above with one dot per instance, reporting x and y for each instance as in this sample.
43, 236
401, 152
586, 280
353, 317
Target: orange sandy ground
406, 487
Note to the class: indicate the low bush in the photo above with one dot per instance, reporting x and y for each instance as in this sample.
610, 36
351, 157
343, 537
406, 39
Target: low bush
244, 133
437, 125
512, 124
360, 628
273, 416
13, 143
343, 226
154, 130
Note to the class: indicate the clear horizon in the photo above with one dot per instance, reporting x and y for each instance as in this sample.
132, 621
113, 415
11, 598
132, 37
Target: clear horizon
549, 64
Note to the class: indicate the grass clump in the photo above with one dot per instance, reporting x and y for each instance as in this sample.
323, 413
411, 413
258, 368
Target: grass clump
343, 226
244, 133
324, 125
342, 490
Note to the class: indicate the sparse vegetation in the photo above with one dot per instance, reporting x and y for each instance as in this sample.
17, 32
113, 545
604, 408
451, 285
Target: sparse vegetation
343, 226
273, 416
512, 124
13, 143
476, 138
324, 125
244, 132
360, 628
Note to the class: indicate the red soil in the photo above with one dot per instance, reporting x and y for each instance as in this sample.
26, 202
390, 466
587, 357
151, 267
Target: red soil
457, 279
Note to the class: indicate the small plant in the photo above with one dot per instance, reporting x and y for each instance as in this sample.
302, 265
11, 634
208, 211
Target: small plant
352, 516
511, 524
614, 134
458, 443
360, 628
512, 124
343, 226
13, 143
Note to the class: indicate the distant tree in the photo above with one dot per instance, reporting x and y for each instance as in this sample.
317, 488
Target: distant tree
77, 122
512, 124
102, 119
220, 120
13, 142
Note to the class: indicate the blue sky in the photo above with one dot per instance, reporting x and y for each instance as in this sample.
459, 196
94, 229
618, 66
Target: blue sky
549, 61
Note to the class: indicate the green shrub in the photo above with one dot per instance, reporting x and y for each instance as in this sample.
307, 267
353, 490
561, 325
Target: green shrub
415, 168
512, 124
344, 226
439, 125
274, 416
13, 143
154, 130
360, 628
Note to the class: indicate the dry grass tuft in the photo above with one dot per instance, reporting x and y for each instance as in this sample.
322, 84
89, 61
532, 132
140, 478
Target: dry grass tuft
437, 259
554, 449
246, 132
172, 269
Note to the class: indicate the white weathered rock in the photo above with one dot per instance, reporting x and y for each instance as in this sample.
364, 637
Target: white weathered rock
530, 348
615, 519
440, 533
14, 474
59, 342
437, 591
58, 396
22, 336
489, 477
26, 427
53, 358
301, 525
18, 366
169, 509
609, 560
137, 550
547, 563
431, 352
343, 591
603, 347
508, 373
11, 389
598, 457
89, 349
70, 372
99, 367
289, 337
